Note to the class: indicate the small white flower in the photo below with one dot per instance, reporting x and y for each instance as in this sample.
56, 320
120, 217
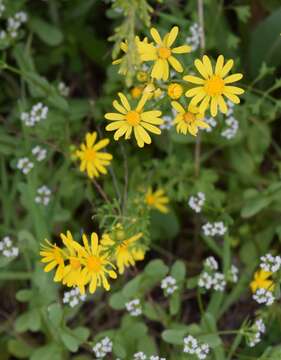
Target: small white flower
73, 297
233, 274
102, 348
270, 263
194, 39
192, 346
168, 122
205, 281
139, 356
63, 89
197, 202
134, 307
232, 128
218, 281
25, 165
37, 113
7, 249
211, 263
156, 357
43, 195
169, 285
39, 153
256, 330
214, 229
263, 296
2, 8
210, 121
3, 34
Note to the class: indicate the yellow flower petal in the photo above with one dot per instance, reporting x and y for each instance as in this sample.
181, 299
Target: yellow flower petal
156, 37
119, 107
193, 79
233, 98
181, 49
101, 144
219, 65
175, 64
227, 67
201, 68
124, 101
151, 128
234, 90
158, 69
222, 104
152, 117
115, 125
233, 78
178, 107
214, 106
114, 116
172, 36
194, 91
208, 65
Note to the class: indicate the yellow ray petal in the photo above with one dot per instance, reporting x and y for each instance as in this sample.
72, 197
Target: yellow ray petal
201, 68
119, 107
175, 64
208, 65
227, 67
151, 128
222, 104
101, 144
233, 78
234, 90
158, 69
115, 125
172, 36
114, 116
214, 106
181, 49
194, 91
219, 65
178, 107
124, 101
156, 37
193, 79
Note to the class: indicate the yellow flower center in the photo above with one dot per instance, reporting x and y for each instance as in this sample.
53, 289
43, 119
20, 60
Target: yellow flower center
214, 86
136, 92
150, 200
75, 264
175, 91
189, 118
164, 52
133, 118
89, 154
94, 264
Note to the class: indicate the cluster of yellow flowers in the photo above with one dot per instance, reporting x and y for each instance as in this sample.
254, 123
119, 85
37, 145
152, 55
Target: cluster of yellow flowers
209, 91
91, 264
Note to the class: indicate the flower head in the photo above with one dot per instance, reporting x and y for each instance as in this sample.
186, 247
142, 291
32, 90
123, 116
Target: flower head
93, 161
53, 255
175, 91
214, 85
188, 120
262, 281
162, 53
126, 252
137, 120
157, 200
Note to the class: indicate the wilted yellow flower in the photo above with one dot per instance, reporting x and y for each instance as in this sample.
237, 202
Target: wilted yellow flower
262, 281
188, 120
142, 76
53, 255
136, 91
175, 91
93, 161
213, 85
126, 252
137, 120
162, 53
157, 200
152, 91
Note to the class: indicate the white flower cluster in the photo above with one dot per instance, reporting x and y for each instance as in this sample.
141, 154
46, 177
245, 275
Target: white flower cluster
233, 274
13, 25
197, 202
39, 153
169, 285
102, 348
263, 296
43, 195
192, 346
194, 39
231, 122
63, 89
7, 249
73, 297
256, 330
168, 122
134, 307
210, 278
156, 357
2, 8
37, 113
210, 121
140, 356
270, 263
25, 165
211, 263
213, 229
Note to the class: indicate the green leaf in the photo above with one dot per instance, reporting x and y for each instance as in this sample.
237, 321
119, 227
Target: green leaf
254, 206
175, 336
19, 349
70, 341
117, 301
24, 295
156, 269
55, 314
265, 44
178, 271
47, 32
48, 352
243, 12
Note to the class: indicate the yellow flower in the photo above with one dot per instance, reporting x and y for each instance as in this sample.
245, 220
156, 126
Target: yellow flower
213, 85
72, 271
53, 255
92, 160
137, 120
96, 264
139, 47
262, 281
152, 91
162, 53
142, 76
157, 200
175, 91
136, 92
126, 252
188, 120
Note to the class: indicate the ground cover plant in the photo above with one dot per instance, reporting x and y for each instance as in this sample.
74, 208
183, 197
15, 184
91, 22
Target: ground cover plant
140, 180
